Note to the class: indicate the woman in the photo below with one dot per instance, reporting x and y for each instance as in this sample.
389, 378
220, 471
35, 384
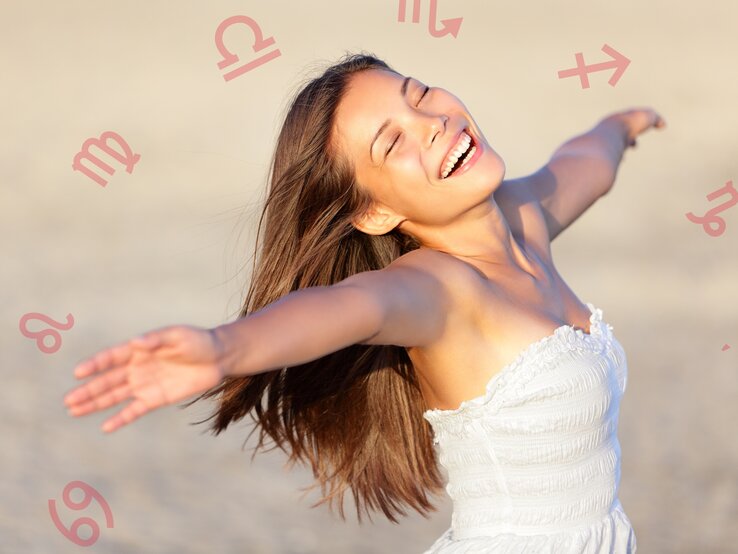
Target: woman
405, 295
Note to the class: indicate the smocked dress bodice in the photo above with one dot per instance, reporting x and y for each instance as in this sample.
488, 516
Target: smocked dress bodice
534, 464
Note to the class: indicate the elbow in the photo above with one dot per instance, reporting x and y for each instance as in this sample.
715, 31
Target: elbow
608, 181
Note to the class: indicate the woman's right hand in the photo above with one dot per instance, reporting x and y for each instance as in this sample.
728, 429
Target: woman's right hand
154, 369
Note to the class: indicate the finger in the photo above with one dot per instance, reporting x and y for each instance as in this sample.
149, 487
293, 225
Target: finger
117, 355
147, 341
101, 402
88, 391
103, 360
130, 413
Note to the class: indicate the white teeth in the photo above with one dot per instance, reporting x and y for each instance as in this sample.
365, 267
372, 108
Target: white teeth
456, 153
468, 157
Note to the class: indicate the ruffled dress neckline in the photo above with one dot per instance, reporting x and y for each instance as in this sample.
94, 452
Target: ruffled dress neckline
560, 338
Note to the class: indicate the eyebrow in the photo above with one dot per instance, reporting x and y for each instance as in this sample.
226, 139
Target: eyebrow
403, 91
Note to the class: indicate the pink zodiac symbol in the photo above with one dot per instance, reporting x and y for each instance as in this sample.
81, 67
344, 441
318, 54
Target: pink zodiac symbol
128, 158
449, 26
72, 533
618, 62
710, 217
41, 335
230, 58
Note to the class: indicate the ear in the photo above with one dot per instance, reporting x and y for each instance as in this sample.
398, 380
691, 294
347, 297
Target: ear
377, 221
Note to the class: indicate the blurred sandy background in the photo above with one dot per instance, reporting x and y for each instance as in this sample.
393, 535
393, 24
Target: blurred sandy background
172, 243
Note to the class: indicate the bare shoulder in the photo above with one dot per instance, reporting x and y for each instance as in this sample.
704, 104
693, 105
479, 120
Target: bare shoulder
424, 259
459, 280
411, 300
433, 262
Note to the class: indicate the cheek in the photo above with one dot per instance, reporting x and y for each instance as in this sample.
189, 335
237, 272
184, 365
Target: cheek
410, 201
409, 166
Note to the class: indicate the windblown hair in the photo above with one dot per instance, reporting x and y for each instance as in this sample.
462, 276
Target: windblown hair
354, 414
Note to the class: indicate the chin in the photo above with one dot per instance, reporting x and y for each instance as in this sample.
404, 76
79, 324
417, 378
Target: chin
494, 169
503, 168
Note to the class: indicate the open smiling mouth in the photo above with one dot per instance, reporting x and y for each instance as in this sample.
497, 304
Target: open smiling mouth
462, 153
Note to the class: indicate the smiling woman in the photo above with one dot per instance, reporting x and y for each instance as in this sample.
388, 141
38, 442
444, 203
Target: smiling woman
397, 302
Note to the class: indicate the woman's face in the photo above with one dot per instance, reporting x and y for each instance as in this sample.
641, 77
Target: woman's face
401, 162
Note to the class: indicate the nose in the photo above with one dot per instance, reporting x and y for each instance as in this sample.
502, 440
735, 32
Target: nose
437, 125
441, 125
425, 126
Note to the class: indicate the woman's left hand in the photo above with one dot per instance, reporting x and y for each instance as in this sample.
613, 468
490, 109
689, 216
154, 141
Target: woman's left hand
639, 120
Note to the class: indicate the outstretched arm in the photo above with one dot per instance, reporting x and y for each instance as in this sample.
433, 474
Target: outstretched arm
400, 304
584, 168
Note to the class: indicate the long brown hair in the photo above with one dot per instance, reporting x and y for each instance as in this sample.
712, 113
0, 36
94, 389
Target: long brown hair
354, 414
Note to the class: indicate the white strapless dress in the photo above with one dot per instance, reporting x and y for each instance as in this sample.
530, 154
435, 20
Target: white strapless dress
534, 464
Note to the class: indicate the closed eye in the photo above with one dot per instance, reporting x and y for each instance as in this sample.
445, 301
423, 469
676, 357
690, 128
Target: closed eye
425, 91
